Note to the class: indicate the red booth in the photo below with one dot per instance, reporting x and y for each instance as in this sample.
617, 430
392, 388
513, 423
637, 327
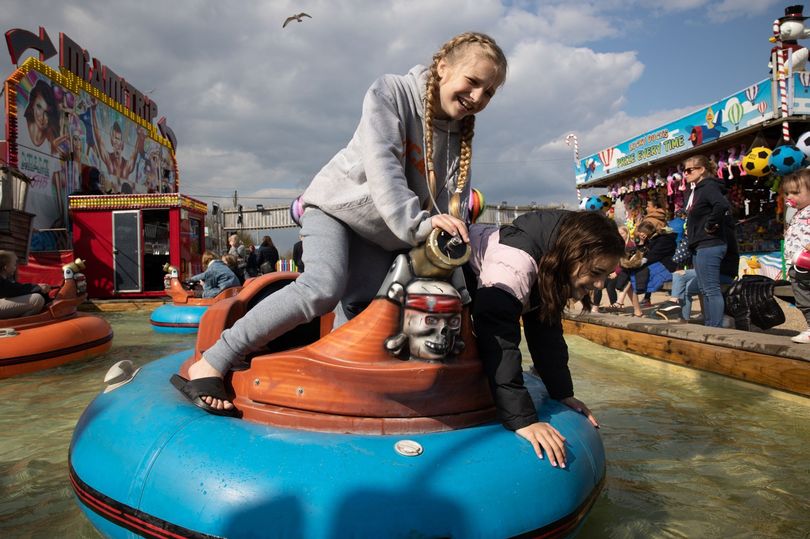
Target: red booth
130, 237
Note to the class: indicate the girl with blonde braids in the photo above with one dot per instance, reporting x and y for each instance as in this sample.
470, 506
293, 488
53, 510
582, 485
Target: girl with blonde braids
405, 168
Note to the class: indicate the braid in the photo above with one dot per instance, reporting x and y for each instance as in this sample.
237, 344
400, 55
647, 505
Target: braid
450, 51
430, 90
467, 132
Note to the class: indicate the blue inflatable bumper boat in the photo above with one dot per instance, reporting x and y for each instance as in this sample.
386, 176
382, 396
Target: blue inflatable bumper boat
183, 314
172, 318
337, 438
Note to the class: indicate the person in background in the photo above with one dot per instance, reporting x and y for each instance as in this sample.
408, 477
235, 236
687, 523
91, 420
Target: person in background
298, 255
233, 265
239, 253
216, 277
528, 271
18, 299
678, 224
610, 288
658, 246
796, 187
620, 275
709, 233
268, 255
685, 287
252, 264
655, 213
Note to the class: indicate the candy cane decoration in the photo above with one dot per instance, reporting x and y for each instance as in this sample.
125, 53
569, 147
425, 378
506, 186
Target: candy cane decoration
780, 62
568, 140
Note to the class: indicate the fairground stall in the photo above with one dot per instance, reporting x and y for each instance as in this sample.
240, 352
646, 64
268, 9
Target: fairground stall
650, 165
749, 135
130, 241
103, 174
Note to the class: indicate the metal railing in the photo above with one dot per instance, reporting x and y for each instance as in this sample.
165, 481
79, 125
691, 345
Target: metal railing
279, 217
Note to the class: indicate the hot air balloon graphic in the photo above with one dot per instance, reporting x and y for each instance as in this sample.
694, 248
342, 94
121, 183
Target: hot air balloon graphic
734, 112
762, 106
751, 93
606, 156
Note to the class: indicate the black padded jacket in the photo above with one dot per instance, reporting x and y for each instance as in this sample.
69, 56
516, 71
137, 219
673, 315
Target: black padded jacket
496, 319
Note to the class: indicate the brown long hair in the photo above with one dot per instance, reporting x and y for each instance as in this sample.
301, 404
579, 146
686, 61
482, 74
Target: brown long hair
583, 237
452, 51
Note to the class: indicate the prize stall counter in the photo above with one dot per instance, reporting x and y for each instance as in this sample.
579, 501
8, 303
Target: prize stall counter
127, 240
728, 132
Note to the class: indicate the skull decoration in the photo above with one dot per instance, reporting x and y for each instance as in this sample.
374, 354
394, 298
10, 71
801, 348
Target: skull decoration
431, 322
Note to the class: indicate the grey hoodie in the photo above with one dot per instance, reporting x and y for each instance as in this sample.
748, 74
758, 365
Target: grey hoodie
377, 185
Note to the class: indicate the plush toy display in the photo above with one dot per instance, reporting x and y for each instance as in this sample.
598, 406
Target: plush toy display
592, 204
786, 159
803, 143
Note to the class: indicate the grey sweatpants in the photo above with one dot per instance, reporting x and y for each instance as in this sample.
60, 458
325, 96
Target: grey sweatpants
340, 267
27, 305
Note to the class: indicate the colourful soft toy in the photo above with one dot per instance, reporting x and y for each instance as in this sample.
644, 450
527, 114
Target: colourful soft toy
607, 201
739, 159
593, 204
785, 159
296, 211
803, 143
756, 163
477, 205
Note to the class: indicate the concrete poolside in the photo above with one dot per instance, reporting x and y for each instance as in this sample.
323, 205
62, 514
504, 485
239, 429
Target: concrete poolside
767, 358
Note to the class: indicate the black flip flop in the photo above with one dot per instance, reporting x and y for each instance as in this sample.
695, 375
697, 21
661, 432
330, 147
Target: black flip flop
212, 386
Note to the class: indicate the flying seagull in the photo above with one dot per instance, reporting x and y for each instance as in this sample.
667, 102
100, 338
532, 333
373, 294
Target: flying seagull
295, 18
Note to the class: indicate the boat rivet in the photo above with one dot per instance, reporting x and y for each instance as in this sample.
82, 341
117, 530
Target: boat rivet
408, 448
256, 381
300, 391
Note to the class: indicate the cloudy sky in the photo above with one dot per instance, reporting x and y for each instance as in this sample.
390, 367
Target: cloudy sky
260, 109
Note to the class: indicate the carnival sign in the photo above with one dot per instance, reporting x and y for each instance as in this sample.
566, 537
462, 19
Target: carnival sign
744, 109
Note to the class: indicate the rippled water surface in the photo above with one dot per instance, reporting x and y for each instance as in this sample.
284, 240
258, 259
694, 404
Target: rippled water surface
689, 454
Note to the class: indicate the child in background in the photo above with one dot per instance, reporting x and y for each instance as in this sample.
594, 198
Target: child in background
797, 244
407, 164
658, 246
620, 275
216, 277
18, 299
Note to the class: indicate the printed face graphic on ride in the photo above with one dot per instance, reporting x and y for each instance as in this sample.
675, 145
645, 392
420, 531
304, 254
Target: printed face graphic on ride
431, 322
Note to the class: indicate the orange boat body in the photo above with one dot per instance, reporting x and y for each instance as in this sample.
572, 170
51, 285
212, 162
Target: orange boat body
181, 296
54, 337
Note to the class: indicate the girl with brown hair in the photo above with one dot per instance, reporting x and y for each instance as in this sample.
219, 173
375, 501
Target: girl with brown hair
528, 271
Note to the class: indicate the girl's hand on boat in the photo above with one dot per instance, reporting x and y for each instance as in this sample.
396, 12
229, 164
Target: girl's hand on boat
44, 287
545, 436
579, 406
451, 225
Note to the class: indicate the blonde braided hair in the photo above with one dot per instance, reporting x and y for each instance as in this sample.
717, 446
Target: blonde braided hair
451, 51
